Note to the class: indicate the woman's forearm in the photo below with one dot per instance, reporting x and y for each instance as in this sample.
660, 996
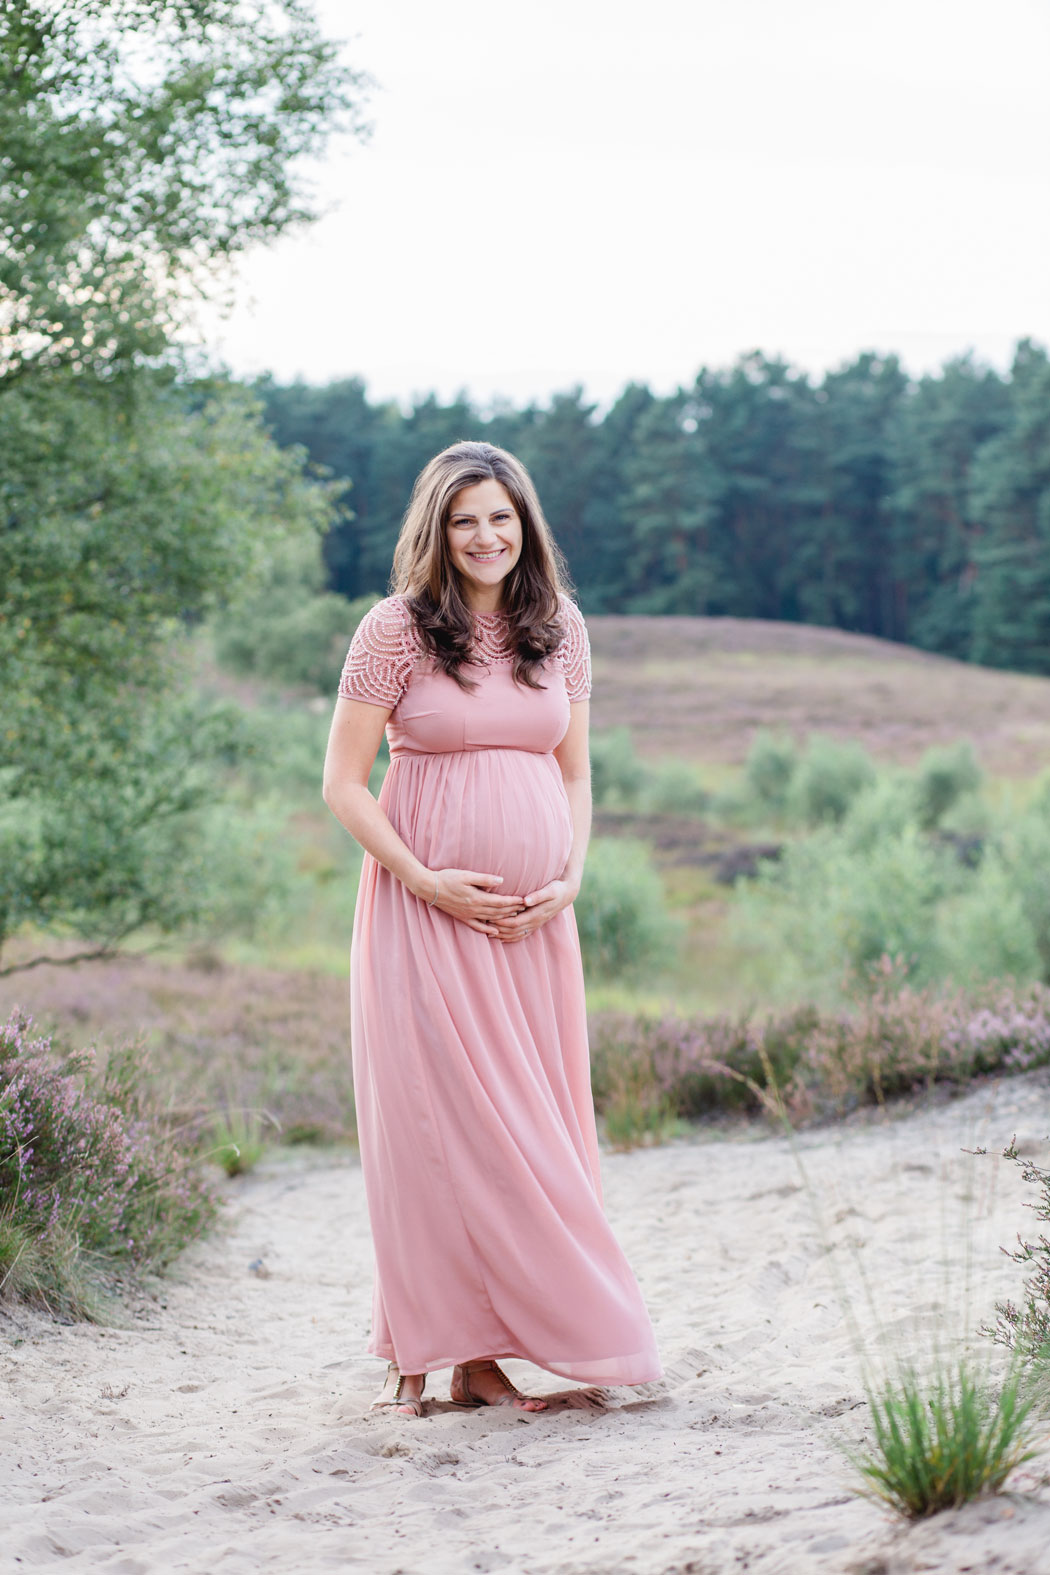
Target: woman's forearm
578, 792
354, 807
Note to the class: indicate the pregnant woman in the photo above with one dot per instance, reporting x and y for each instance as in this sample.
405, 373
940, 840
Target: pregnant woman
471, 1073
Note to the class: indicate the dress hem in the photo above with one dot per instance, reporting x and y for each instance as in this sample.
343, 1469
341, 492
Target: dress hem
651, 1372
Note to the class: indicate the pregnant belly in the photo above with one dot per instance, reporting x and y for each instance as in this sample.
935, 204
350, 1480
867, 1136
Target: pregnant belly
494, 811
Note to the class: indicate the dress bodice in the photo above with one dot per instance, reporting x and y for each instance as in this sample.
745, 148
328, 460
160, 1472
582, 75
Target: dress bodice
388, 665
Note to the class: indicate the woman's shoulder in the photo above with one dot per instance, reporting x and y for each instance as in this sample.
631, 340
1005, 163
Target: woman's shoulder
390, 623
574, 653
571, 617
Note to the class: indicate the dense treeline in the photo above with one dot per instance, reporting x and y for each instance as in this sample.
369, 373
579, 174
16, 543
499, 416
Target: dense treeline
914, 509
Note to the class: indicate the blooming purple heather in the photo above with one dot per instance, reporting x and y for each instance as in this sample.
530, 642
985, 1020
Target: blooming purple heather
86, 1165
822, 1063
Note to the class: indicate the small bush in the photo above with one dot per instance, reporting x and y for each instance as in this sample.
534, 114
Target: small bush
621, 913
92, 1183
828, 778
674, 789
617, 775
770, 770
944, 776
943, 1443
822, 916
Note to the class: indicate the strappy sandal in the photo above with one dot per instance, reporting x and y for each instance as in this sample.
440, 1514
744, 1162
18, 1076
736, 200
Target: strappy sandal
400, 1399
465, 1369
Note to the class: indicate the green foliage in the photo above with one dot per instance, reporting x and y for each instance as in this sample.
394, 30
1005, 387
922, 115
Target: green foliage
942, 1442
617, 774
133, 504
769, 772
289, 630
916, 866
944, 777
236, 1140
673, 788
122, 186
625, 929
830, 774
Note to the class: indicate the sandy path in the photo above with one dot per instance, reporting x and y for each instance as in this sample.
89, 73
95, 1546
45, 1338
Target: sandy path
225, 1431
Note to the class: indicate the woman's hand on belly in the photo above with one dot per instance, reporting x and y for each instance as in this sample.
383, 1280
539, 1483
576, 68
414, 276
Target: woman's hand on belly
473, 899
536, 909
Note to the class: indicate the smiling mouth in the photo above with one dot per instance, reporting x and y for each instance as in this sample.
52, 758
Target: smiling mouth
487, 557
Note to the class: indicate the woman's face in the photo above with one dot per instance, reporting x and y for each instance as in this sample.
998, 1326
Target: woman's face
484, 541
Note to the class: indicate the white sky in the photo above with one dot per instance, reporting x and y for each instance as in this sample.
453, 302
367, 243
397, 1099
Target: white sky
590, 191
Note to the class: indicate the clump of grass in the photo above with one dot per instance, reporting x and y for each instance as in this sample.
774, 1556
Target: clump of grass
943, 1442
237, 1140
94, 1184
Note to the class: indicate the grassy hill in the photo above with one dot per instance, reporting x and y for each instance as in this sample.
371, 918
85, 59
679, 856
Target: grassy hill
699, 688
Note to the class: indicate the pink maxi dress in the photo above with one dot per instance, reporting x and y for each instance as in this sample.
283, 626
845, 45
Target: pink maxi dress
471, 1068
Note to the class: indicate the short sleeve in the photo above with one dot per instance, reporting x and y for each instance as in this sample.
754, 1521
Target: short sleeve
574, 653
382, 654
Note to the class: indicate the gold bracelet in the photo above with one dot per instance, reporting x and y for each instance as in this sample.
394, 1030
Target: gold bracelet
434, 898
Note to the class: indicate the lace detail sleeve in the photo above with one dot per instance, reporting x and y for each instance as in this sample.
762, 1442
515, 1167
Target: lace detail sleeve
382, 655
574, 653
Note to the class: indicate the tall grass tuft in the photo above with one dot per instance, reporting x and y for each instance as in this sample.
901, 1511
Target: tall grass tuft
943, 1442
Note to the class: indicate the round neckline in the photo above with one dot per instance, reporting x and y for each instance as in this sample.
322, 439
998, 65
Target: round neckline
496, 614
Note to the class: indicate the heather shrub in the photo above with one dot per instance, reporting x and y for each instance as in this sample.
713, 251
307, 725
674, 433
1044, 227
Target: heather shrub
92, 1182
807, 1063
1025, 1330
621, 913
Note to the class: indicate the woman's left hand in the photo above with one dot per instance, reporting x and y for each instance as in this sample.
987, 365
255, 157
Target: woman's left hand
539, 907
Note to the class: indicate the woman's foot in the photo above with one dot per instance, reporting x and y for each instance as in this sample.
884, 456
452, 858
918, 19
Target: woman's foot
483, 1383
402, 1392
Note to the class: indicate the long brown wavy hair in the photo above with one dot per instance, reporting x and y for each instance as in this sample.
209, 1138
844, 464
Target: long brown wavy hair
425, 574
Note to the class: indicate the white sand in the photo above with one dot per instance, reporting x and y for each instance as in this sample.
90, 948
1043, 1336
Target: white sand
227, 1430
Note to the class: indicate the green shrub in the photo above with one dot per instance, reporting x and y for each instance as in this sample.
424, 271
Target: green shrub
944, 776
617, 775
621, 913
770, 770
828, 778
290, 641
673, 788
822, 917
985, 933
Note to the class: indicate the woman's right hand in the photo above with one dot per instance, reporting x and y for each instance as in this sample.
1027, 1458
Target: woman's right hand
472, 898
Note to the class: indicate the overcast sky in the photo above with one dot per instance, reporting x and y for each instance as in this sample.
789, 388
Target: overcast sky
588, 191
